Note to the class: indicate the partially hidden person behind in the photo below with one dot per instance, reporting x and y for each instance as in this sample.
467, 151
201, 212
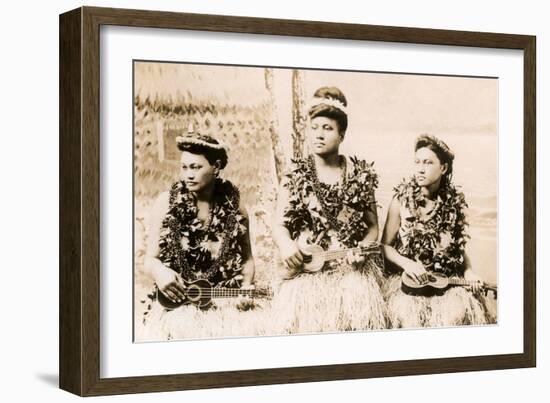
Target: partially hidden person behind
326, 222
198, 230
424, 240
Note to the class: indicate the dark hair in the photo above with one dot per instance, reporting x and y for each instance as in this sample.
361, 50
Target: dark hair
441, 150
330, 111
211, 154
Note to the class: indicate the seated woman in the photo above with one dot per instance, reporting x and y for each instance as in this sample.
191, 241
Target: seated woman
197, 229
328, 200
425, 232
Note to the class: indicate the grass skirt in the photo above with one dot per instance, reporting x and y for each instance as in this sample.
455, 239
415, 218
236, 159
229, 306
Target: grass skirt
343, 299
456, 307
226, 318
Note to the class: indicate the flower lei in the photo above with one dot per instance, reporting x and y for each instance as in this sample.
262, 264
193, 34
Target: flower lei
438, 243
183, 238
318, 207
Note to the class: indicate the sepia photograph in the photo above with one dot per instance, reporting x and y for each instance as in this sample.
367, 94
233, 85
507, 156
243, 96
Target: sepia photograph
274, 201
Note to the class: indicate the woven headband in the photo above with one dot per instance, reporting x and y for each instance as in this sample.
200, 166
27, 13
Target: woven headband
439, 143
316, 101
192, 138
198, 139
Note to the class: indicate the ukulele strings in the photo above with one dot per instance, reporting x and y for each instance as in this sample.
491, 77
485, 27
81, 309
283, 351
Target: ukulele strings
461, 282
227, 293
341, 252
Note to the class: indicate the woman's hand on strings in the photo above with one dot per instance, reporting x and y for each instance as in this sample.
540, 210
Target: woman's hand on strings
416, 271
170, 284
292, 256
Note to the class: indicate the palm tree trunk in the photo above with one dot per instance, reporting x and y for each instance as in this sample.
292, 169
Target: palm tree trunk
274, 129
298, 114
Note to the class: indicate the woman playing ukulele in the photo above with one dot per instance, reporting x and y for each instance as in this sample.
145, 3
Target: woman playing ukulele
197, 231
328, 200
425, 232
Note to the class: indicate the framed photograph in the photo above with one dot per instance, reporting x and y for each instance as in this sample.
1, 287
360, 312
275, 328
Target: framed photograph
250, 201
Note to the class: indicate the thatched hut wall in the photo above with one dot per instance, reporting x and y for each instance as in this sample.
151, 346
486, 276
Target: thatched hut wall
170, 97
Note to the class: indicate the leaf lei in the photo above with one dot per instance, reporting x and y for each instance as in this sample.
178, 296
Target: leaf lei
183, 237
318, 207
438, 243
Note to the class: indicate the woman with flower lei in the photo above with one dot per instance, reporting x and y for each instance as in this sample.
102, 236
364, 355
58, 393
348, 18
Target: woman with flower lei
197, 230
426, 232
328, 200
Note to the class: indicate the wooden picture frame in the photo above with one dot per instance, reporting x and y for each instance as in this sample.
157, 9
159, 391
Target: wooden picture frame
80, 199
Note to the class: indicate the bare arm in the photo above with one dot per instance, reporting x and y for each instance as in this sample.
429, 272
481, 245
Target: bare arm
156, 215
288, 249
281, 235
248, 264
166, 279
370, 237
391, 229
471, 275
372, 221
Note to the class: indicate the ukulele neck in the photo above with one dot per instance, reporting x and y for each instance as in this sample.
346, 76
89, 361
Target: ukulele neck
463, 282
459, 281
341, 253
231, 292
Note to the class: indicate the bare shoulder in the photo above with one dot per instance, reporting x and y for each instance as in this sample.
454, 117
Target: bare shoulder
162, 201
154, 222
160, 206
243, 211
391, 227
395, 205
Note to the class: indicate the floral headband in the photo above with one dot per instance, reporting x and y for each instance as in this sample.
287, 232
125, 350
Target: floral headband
192, 138
429, 139
316, 101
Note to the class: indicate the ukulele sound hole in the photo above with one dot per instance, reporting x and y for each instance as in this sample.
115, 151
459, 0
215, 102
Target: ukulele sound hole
193, 293
308, 258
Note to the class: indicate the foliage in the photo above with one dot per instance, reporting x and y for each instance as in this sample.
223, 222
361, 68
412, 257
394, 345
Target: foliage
245, 132
439, 242
227, 226
311, 204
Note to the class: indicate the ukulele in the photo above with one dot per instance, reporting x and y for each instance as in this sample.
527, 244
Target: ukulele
437, 284
315, 256
201, 292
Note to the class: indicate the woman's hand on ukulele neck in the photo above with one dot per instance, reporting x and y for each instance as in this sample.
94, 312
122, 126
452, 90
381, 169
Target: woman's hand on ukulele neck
354, 258
472, 276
